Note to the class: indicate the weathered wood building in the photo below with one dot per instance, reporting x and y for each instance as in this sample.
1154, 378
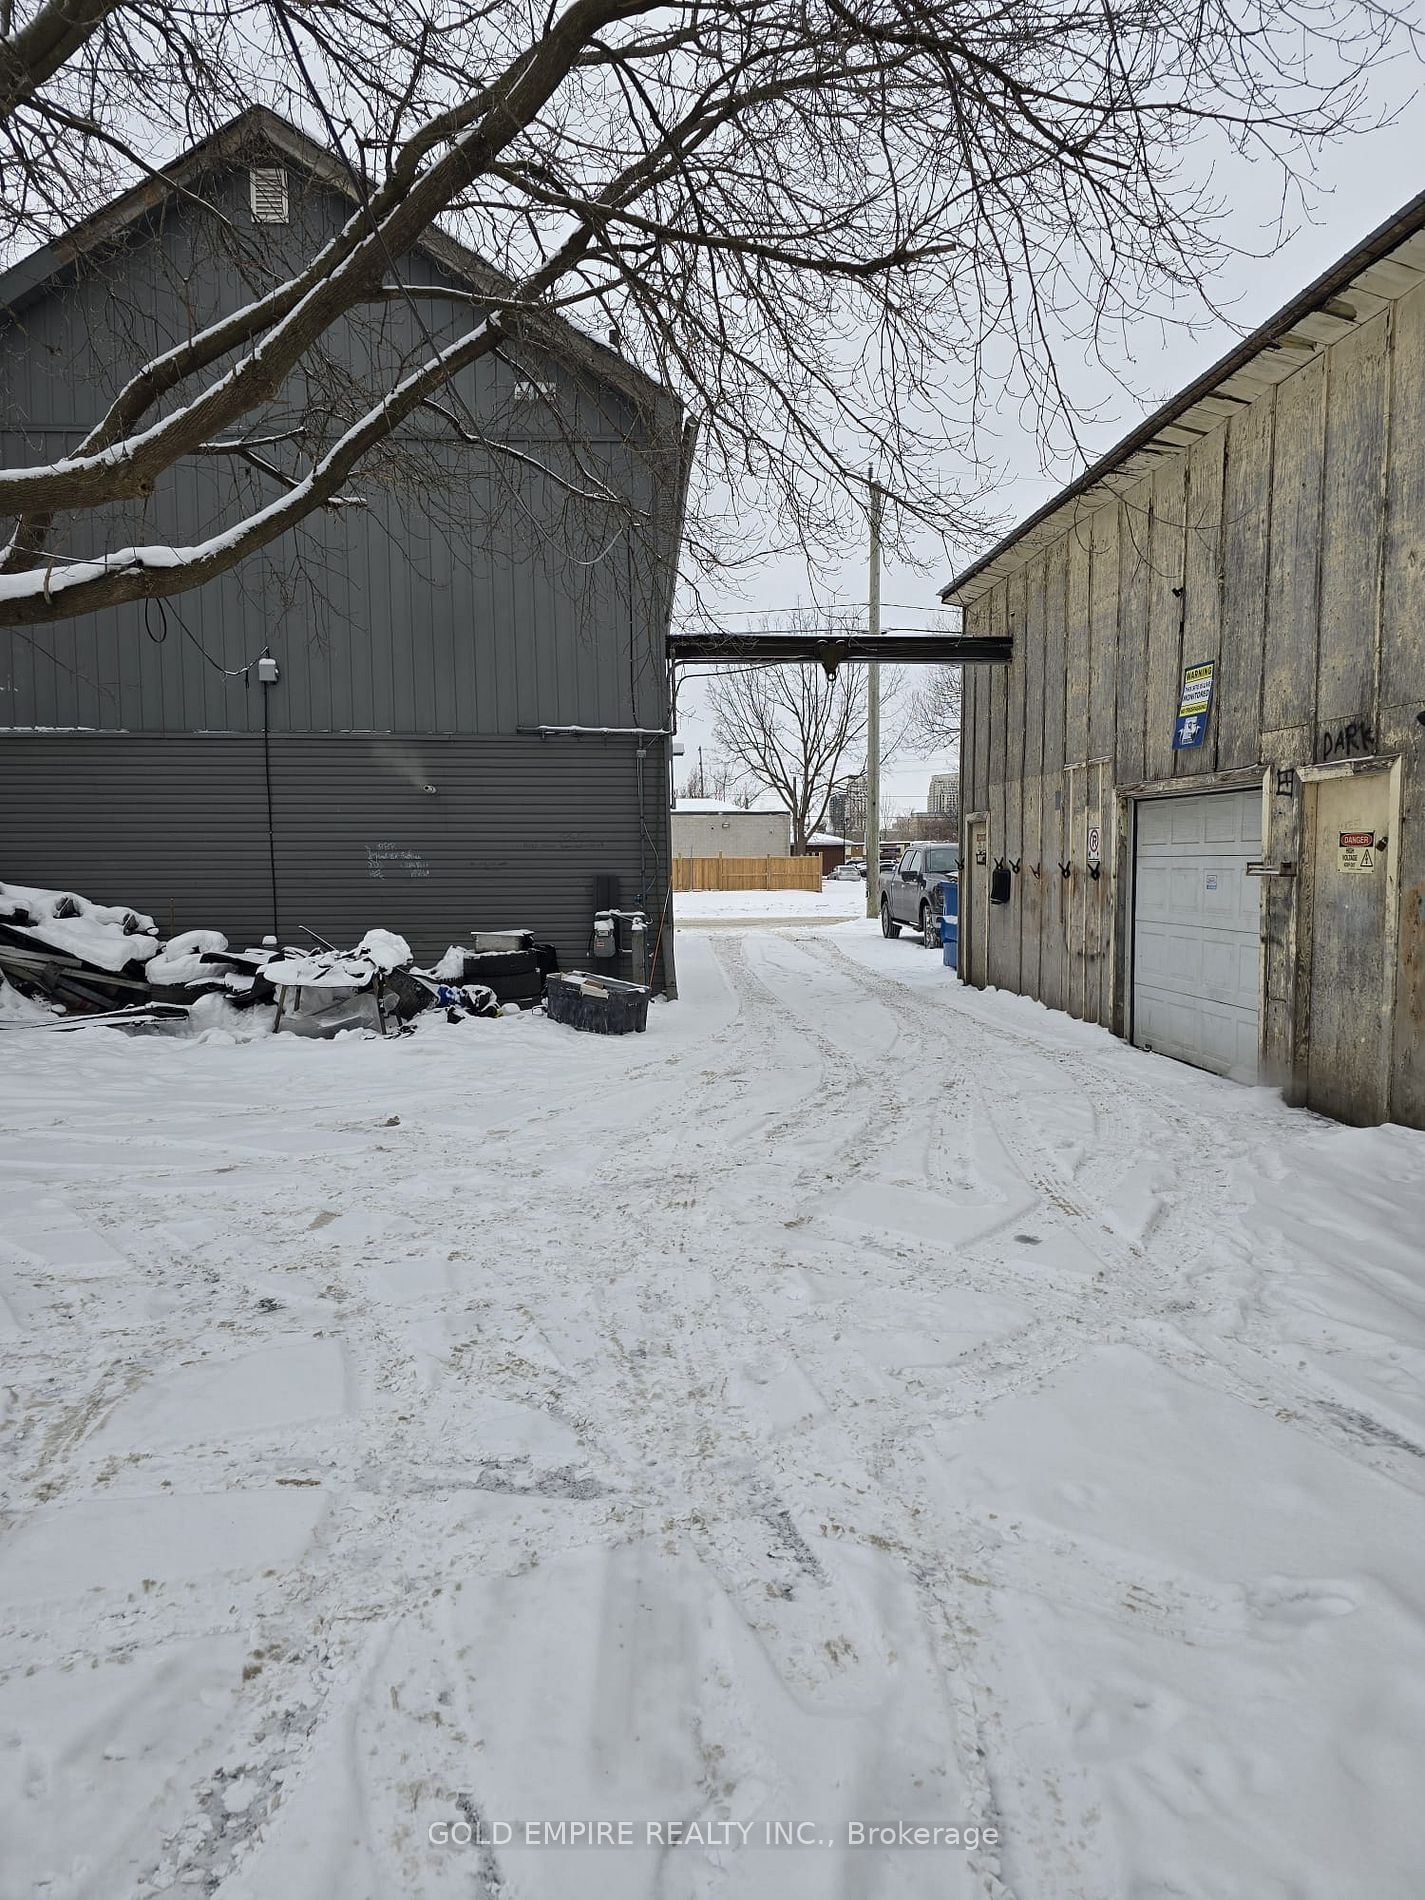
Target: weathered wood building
1195, 797
470, 723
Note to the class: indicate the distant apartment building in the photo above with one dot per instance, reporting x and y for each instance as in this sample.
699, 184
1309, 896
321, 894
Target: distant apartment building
943, 798
846, 814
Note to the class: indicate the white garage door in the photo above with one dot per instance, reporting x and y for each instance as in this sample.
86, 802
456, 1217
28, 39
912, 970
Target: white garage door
1196, 930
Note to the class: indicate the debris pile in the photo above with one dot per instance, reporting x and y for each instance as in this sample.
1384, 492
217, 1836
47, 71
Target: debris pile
509, 962
70, 958
376, 986
84, 956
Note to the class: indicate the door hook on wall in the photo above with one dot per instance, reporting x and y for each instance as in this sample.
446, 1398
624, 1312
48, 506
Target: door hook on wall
1064, 869
1094, 869
1035, 869
1014, 865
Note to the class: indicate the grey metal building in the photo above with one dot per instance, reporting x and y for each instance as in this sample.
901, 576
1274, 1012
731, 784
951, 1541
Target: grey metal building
1195, 796
483, 590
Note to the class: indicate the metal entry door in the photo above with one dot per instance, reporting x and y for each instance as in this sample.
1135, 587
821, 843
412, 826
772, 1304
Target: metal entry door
1197, 930
1347, 1025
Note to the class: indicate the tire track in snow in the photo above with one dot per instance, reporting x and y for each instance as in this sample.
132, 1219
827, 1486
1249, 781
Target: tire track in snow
678, 1363
766, 1011
1153, 1271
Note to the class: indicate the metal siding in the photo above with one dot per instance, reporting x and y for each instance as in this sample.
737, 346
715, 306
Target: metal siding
515, 834
401, 639
175, 827
380, 618
485, 709
392, 643
464, 676
425, 610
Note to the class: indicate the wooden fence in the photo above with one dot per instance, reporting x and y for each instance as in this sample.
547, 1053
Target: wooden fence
747, 874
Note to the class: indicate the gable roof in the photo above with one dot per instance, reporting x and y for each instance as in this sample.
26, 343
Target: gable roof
262, 131
1382, 268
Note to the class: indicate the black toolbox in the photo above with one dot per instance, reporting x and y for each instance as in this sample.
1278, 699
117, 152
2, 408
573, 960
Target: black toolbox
603, 1004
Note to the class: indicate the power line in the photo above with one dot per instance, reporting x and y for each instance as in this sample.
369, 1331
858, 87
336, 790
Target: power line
167, 607
804, 632
818, 613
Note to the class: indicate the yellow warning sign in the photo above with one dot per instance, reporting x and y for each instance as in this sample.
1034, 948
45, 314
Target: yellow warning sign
1197, 688
1356, 851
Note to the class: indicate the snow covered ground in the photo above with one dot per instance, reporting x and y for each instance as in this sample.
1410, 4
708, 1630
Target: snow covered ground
855, 1403
836, 901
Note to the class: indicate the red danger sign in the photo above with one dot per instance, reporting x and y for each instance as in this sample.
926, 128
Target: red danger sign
1361, 840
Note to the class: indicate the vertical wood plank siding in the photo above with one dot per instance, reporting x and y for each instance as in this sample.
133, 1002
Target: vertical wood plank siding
1032, 880
1054, 954
1246, 529
1401, 688
1103, 653
1202, 581
1135, 574
1016, 791
1287, 545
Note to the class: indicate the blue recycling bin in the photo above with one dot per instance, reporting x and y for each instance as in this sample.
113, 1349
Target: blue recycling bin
950, 925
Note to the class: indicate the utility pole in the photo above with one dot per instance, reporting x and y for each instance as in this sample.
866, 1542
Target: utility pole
873, 713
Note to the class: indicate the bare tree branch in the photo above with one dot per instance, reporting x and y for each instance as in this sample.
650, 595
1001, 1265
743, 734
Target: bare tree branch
836, 230
794, 731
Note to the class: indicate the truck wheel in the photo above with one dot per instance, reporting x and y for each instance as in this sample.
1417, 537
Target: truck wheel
888, 929
929, 928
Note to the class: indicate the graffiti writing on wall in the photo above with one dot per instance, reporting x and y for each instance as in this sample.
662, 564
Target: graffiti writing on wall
390, 860
1350, 741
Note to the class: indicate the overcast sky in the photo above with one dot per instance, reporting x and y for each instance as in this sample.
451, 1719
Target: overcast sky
1359, 183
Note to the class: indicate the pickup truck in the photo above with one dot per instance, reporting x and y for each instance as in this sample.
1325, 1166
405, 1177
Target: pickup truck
913, 890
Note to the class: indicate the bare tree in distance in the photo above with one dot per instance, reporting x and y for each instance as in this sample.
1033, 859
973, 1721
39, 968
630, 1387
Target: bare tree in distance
713, 778
788, 728
796, 732
933, 713
831, 229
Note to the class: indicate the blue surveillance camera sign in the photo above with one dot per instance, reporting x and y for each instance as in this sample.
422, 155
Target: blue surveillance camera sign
1194, 706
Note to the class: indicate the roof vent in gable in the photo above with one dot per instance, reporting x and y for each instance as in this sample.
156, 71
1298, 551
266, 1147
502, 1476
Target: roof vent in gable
267, 190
